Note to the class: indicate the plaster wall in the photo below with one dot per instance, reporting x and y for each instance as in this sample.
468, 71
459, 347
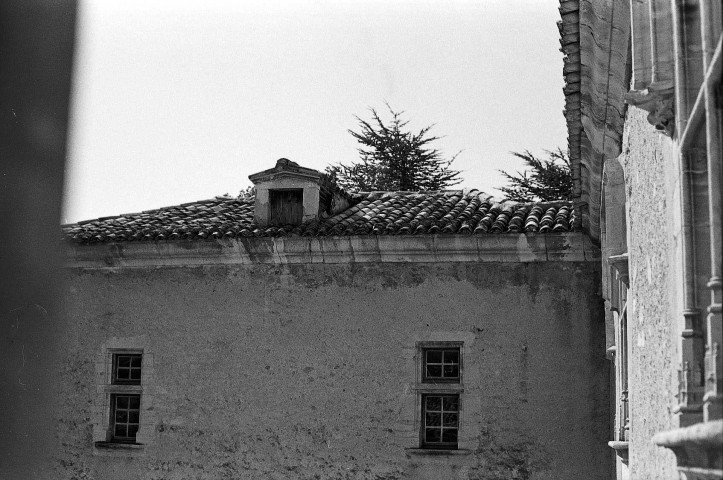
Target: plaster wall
655, 292
308, 371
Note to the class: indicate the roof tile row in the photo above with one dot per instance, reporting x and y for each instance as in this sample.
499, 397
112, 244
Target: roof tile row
375, 213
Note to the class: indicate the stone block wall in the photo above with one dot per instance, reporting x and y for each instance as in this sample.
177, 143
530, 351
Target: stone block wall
309, 371
655, 299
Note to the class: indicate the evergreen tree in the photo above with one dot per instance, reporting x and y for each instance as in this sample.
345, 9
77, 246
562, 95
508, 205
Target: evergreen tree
393, 158
545, 180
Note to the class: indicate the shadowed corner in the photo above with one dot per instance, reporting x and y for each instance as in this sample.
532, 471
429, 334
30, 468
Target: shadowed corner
36, 47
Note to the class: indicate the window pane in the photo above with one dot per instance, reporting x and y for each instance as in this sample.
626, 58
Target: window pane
133, 429
127, 368
451, 404
442, 364
133, 417
121, 402
434, 403
121, 416
449, 435
432, 435
450, 420
434, 370
120, 431
451, 356
434, 356
135, 402
433, 419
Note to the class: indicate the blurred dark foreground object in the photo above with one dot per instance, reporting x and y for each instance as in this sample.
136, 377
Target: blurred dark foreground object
36, 59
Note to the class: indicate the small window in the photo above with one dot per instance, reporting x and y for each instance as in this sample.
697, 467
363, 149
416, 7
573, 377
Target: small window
441, 365
440, 393
127, 369
125, 397
287, 206
440, 417
125, 415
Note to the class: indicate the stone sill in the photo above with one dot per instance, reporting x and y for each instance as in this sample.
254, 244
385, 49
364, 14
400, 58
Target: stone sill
708, 434
618, 446
701, 473
438, 452
119, 446
621, 449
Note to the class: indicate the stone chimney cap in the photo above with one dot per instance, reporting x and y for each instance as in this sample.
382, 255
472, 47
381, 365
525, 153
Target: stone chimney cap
285, 162
285, 167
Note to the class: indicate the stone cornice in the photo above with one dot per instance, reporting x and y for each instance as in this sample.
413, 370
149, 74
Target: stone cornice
286, 168
566, 247
594, 36
658, 100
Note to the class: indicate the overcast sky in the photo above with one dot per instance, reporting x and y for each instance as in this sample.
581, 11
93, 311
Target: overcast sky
181, 101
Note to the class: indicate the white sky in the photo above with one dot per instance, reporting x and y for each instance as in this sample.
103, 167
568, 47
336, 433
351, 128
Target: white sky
178, 101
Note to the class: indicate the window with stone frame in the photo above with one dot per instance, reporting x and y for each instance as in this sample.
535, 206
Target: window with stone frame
440, 365
125, 396
439, 390
440, 422
619, 284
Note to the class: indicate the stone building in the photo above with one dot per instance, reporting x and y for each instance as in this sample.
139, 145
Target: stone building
643, 108
308, 333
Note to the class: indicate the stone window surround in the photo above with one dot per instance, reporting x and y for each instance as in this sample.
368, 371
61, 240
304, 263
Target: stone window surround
443, 349
427, 386
620, 284
100, 419
468, 406
310, 197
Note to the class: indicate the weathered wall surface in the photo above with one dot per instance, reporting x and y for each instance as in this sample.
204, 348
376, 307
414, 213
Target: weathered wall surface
302, 371
654, 304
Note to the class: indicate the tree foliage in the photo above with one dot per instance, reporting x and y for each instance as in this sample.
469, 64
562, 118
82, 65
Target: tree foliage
544, 180
393, 158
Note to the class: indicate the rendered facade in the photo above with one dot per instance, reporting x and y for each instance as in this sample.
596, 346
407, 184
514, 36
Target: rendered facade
388, 335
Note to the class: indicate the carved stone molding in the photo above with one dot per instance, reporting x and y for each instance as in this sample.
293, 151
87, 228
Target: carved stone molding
698, 449
658, 99
620, 264
621, 450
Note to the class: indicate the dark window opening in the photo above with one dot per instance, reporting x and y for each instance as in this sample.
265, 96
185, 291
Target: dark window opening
127, 369
441, 365
440, 421
125, 397
125, 416
287, 206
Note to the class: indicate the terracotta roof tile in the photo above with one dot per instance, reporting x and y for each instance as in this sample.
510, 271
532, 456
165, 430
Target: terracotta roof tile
375, 213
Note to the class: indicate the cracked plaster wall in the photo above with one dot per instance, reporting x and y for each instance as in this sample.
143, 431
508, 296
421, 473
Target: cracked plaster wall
301, 371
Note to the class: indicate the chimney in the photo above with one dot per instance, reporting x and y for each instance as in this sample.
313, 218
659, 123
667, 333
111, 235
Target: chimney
290, 194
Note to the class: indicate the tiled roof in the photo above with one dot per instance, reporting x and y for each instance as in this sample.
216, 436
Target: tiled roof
375, 213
